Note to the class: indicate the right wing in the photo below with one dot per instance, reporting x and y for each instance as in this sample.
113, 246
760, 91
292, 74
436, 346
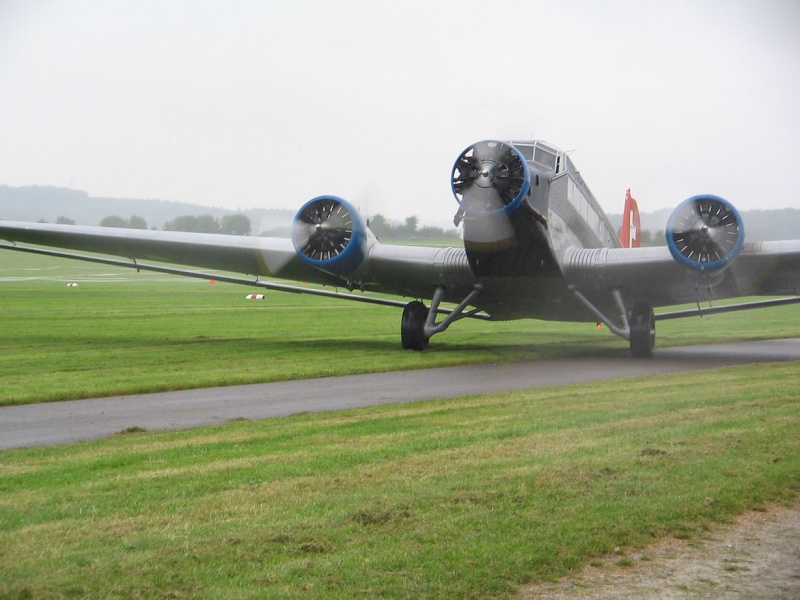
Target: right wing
653, 276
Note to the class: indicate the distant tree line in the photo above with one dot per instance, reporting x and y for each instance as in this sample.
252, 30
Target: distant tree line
237, 224
386, 229
134, 222
230, 224
648, 238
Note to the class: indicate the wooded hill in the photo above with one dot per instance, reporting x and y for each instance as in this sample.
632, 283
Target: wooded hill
39, 203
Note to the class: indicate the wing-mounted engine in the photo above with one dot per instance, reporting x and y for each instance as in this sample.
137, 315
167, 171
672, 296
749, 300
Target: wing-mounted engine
329, 234
490, 179
705, 233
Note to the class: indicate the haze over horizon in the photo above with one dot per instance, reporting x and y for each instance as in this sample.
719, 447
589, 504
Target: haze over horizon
267, 104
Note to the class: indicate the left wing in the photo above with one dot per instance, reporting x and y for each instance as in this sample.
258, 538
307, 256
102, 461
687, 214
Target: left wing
330, 246
239, 254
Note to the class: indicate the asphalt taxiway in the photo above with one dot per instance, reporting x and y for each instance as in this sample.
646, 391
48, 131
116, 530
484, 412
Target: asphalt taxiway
67, 422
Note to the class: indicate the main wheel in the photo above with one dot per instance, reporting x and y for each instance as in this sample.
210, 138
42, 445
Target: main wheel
643, 331
412, 327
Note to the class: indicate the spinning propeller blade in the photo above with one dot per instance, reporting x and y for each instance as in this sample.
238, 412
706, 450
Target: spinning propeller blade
705, 233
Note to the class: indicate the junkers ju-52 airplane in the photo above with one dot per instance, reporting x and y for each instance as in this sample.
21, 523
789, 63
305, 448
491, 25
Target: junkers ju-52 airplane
536, 245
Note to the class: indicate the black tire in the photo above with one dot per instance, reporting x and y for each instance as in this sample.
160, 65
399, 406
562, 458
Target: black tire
643, 331
412, 327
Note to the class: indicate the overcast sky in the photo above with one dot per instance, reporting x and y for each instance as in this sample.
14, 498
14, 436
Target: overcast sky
267, 104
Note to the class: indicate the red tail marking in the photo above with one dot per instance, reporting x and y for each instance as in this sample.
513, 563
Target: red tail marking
631, 225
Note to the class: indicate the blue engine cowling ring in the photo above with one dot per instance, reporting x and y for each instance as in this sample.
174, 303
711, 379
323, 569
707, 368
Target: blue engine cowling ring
705, 233
329, 234
494, 171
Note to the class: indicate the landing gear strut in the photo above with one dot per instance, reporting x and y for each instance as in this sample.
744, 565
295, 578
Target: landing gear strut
419, 322
638, 326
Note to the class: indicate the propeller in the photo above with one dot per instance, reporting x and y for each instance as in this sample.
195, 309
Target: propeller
705, 233
489, 180
490, 176
328, 233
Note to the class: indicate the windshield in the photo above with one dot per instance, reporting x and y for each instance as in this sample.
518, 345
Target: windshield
545, 157
539, 154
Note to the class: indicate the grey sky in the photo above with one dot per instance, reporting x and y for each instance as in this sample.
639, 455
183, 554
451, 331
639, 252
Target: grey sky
245, 104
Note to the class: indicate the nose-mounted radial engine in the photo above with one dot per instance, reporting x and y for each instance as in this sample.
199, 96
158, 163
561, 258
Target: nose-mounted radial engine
490, 179
504, 235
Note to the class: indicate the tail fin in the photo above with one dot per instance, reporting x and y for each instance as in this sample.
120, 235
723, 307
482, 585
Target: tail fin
631, 225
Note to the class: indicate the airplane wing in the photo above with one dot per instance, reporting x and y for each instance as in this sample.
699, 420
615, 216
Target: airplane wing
324, 252
653, 276
240, 254
705, 259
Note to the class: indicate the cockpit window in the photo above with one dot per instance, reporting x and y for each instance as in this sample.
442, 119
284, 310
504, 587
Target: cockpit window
542, 155
545, 158
527, 151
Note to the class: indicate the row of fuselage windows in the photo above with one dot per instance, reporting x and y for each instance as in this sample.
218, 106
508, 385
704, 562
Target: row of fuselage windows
548, 158
584, 207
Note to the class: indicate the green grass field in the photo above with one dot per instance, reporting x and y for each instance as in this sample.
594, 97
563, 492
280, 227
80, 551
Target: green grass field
122, 332
460, 498
464, 498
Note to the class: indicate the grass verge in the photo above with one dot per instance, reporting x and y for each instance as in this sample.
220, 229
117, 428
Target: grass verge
455, 498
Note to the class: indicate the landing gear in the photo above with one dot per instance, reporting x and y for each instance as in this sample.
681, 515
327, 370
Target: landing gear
419, 322
412, 327
638, 326
642, 331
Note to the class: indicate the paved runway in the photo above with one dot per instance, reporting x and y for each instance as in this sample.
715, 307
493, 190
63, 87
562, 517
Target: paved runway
66, 422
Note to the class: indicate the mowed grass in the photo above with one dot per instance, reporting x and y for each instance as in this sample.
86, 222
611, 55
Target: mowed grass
464, 498
121, 332
461, 498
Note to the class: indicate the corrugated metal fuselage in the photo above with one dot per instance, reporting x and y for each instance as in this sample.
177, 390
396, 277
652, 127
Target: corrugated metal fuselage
521, 274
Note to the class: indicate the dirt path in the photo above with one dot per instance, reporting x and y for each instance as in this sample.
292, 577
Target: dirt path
757, 557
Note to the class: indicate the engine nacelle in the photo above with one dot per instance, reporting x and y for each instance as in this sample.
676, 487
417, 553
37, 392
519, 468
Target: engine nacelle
490, 177
490, 180
705, 233
329, 234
